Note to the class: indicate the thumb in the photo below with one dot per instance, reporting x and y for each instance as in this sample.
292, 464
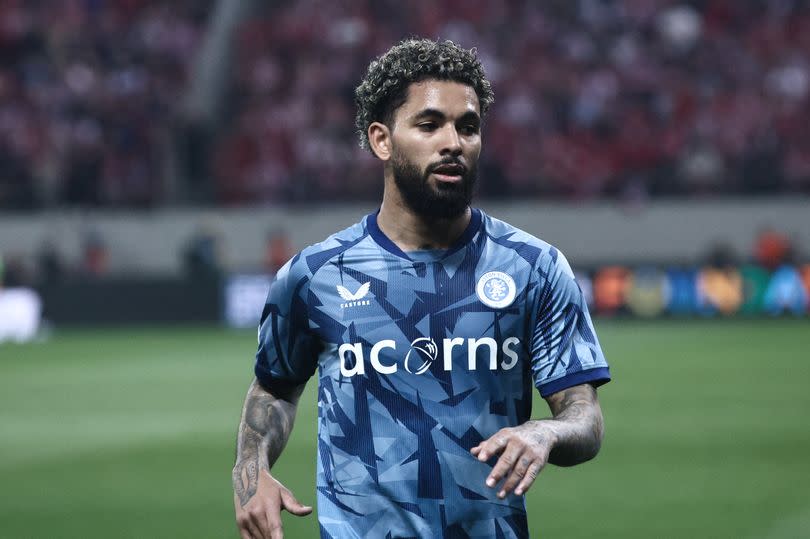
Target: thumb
291, 504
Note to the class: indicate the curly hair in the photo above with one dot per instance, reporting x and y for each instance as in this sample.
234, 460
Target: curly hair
384, 88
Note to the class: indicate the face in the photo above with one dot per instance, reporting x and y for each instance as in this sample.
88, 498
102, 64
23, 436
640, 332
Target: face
435, 144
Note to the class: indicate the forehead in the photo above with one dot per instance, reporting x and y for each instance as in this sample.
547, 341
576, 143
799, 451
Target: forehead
450, 97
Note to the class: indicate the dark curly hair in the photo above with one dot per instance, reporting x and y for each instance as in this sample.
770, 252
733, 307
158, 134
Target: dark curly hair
385, 86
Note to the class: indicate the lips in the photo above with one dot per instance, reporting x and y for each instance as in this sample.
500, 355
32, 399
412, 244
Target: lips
449, 170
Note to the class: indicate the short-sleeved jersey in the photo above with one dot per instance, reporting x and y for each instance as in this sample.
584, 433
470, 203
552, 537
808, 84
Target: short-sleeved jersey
420, 356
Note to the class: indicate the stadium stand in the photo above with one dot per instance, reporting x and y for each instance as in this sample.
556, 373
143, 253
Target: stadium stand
594, 98
88, 91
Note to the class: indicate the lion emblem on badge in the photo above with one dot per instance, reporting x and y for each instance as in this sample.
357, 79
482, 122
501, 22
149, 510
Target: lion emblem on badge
496, 289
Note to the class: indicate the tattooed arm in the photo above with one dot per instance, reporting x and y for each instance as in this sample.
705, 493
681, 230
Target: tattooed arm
577, 425
572, 436
267, 419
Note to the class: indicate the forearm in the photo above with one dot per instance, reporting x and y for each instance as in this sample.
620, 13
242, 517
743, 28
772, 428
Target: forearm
572, 436
577, 427
267, 420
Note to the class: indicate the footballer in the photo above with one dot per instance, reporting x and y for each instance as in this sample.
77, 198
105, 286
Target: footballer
429, 323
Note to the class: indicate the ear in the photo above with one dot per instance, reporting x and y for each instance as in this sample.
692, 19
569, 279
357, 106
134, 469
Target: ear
379, 138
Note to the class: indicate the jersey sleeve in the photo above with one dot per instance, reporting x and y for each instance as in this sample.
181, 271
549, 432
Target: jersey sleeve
564, 348
288, 350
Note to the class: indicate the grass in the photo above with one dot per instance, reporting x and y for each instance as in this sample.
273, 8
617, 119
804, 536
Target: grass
129, 433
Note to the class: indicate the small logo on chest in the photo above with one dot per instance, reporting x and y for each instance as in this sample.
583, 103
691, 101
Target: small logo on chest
356, 299
496, 289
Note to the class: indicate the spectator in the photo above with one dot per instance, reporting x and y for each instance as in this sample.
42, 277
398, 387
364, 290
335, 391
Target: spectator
50, 267
772, 248
202, 258
95, 255
278, 251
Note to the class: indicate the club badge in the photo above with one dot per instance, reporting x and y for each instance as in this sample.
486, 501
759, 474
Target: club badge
496, 289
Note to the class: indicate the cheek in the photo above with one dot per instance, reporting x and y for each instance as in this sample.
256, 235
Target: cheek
414, 148
420, 155
474, 149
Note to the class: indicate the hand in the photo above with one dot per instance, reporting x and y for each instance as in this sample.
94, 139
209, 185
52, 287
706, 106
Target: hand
524, 452
260, 516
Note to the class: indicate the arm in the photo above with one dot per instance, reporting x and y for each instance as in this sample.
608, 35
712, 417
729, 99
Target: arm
572, 436
267, 420
577, 424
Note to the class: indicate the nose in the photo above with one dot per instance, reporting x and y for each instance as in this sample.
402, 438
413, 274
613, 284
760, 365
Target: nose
451, 142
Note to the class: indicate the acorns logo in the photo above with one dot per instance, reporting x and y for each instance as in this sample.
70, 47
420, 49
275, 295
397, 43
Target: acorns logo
422, 353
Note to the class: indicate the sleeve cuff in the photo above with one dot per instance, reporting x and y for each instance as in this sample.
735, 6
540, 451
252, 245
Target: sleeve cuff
272, 383
595, 377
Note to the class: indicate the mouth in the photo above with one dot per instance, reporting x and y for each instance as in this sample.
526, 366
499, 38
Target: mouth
450, 173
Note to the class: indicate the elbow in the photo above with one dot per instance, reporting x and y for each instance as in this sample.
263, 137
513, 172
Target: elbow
597, 436
574, 456
593, 449
597, 432
582, 449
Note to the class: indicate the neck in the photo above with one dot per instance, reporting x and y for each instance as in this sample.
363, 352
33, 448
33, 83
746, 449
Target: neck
413, 232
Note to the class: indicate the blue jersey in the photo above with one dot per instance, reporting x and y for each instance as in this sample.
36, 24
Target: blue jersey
420, 356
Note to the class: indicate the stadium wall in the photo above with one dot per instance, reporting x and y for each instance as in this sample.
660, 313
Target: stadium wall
152, 243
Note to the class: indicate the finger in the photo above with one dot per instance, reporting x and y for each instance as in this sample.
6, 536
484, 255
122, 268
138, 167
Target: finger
475, 450
245, 523
242, 527
291, 504
258, 525
531, 474
494, 445
248, 526
518, 473
274, 528
505, 464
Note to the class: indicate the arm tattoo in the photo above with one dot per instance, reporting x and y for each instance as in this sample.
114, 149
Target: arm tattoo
577, 424
267, 420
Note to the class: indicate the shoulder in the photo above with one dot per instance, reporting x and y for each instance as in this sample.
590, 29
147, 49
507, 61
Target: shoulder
543, 256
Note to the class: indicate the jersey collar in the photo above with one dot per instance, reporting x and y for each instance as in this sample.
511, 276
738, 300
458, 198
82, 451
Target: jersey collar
383, 241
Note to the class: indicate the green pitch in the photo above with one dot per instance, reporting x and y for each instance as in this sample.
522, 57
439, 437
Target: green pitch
129, 433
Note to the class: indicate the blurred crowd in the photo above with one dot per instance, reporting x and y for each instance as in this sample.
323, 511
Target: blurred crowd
88, 89
594, 98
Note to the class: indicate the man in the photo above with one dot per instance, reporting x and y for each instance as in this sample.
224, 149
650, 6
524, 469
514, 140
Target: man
428, 323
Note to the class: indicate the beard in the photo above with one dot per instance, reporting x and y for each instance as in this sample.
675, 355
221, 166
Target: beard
439, 201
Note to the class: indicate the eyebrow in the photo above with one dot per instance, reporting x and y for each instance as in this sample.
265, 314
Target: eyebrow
435, 113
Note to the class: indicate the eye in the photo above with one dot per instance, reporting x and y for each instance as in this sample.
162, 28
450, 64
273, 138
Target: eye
469, 129
427, 126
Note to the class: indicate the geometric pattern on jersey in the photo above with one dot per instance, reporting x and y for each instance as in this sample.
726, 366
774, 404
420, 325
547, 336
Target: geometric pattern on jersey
415, 368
